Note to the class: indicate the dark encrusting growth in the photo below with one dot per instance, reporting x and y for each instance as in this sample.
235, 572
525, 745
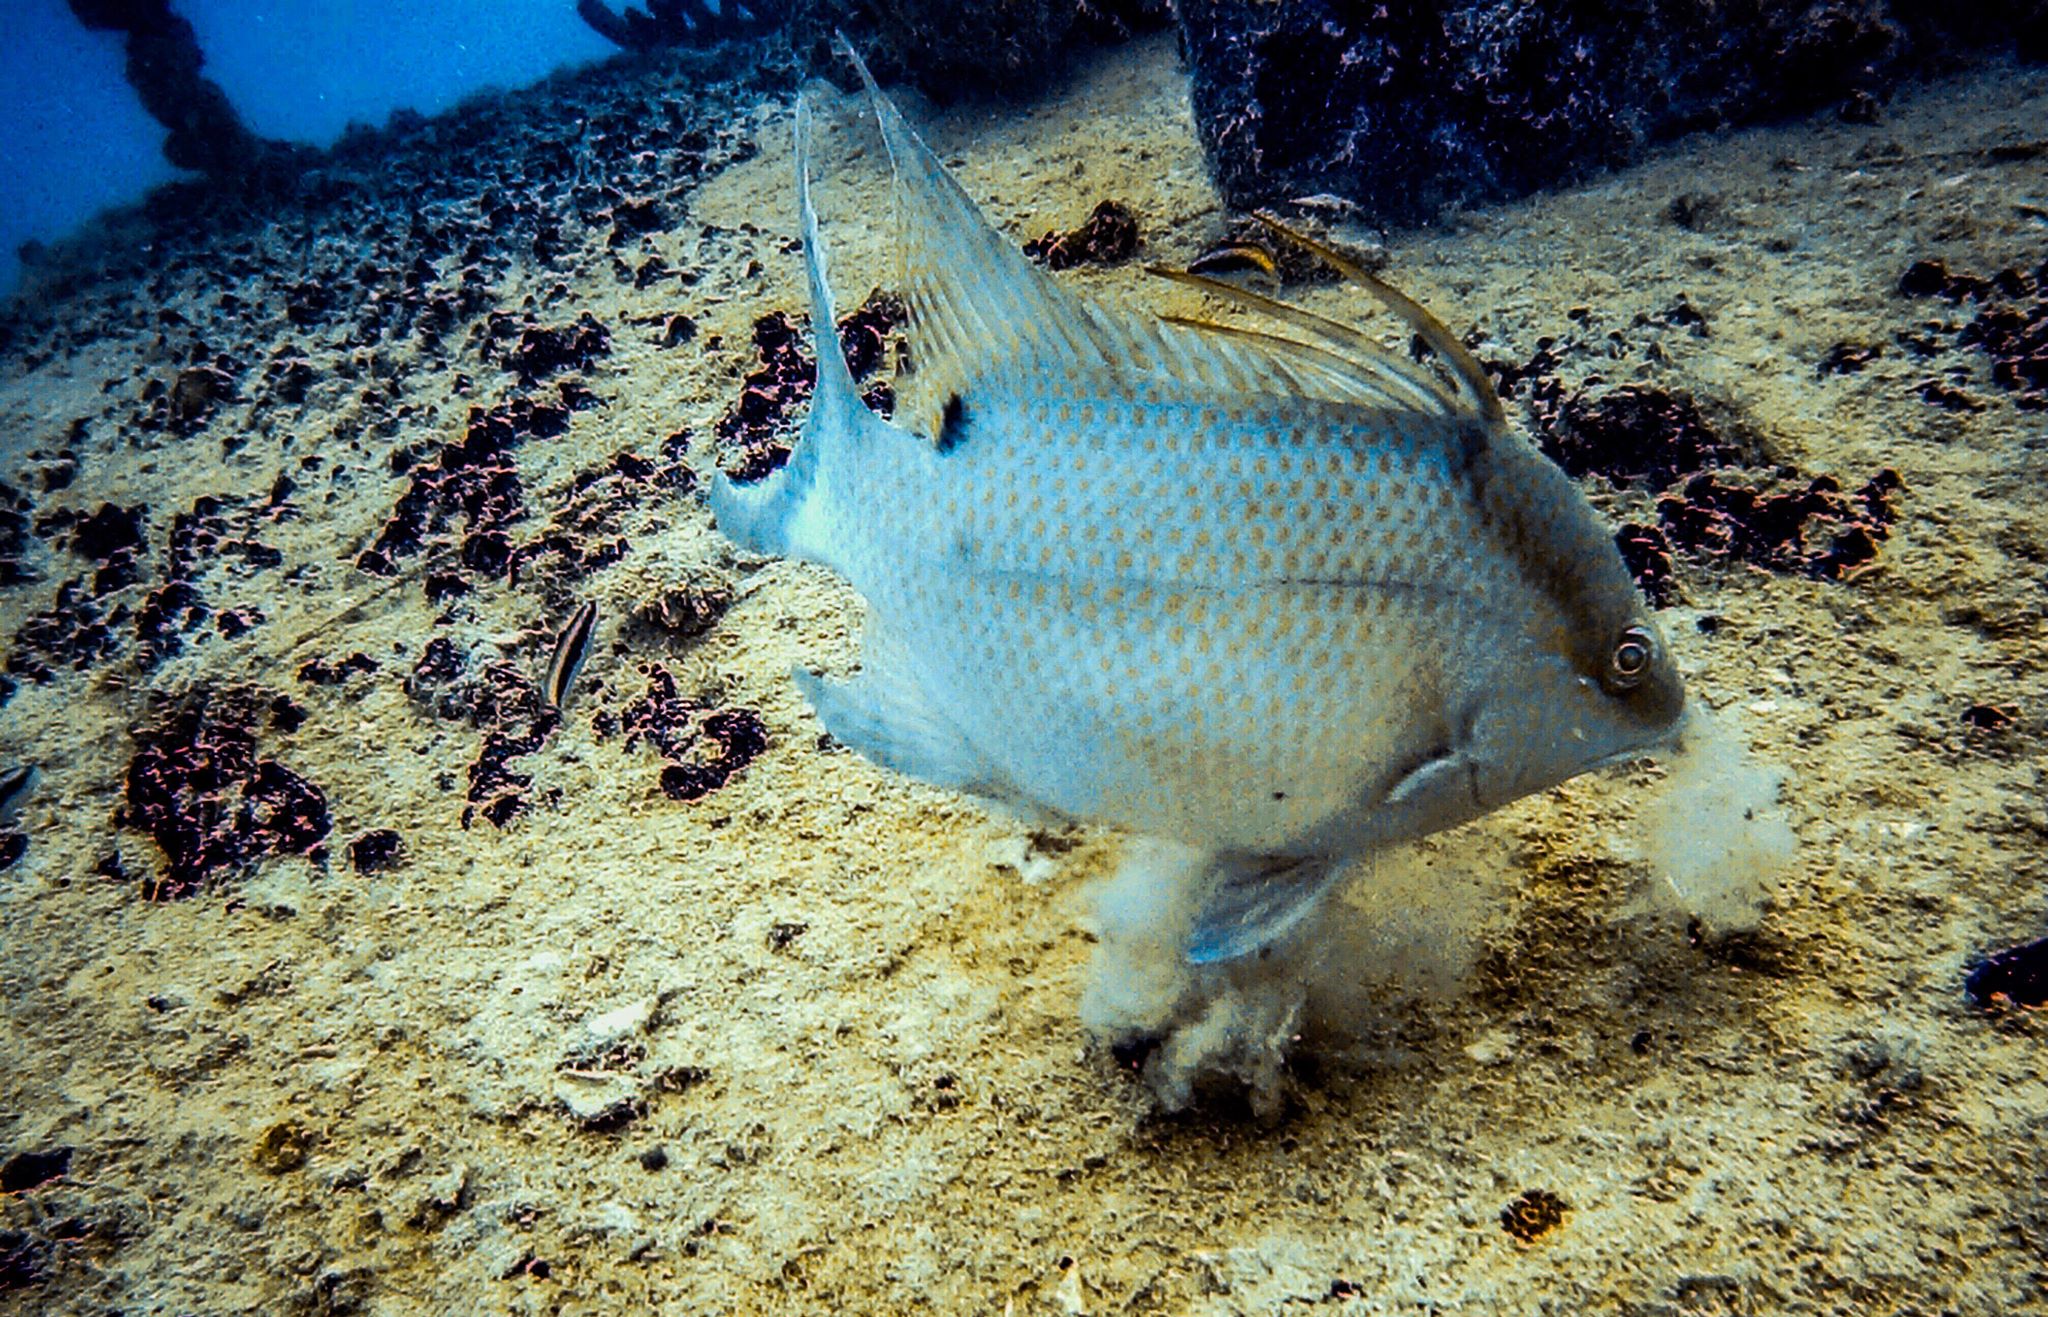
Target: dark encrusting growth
217, 534
1631, 435
516, 722
588, 529
87, 619
23, 1260
72, 633
684, 613
506, 705
474, 480
702, 746
2010, 328
1107, 236
15, 506
24, 1171
214, 804
320, 672
539, 351
760, 424
1406, 107
1816, 530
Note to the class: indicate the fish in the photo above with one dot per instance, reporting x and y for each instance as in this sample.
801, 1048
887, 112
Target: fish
14, 785
572, 646
1282, 597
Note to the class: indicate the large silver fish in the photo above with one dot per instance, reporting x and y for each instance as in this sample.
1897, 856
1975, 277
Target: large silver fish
1281, 600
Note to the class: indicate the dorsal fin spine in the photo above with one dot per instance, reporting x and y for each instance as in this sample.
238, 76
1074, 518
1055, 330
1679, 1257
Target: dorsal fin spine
835, 382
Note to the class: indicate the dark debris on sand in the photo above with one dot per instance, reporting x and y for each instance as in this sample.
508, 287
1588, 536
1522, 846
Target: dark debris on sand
321, 672
200, 787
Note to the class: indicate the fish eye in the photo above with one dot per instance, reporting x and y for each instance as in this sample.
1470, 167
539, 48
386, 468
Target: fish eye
1629, 660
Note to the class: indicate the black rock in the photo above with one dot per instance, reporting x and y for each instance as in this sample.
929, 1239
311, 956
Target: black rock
1407, 107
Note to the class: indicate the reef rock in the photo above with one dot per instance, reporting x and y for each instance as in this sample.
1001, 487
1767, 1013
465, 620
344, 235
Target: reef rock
1407, 107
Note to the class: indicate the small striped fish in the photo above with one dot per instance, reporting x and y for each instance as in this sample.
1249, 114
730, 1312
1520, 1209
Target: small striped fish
1283, 600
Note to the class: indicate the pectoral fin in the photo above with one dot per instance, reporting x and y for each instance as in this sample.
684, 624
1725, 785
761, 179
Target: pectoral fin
1447, 774
1254, 902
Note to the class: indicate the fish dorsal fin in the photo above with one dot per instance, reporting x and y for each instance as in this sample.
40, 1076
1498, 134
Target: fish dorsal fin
977, 305
1400, 382
982, 316
1473, 386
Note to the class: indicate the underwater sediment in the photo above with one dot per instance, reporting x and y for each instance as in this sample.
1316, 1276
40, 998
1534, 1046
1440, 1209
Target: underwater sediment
347, 970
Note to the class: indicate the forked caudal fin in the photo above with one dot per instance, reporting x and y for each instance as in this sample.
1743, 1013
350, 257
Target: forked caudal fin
764, 516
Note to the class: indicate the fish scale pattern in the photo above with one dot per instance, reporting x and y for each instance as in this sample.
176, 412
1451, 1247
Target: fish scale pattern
1187, 576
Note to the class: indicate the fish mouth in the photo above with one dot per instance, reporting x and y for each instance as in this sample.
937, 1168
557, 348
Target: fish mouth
1669, 739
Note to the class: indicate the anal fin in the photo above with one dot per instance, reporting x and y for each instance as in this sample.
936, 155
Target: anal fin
882, 715
1256, 901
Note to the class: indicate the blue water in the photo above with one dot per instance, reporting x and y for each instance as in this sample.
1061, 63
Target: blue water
74, 140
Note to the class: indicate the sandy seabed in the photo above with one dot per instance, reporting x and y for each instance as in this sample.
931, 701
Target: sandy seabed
806, 1038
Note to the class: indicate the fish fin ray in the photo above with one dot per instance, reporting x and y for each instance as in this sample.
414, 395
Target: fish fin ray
977, 306
1255, 902
1314, 371
1473, 385
883, 714
1376, 365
